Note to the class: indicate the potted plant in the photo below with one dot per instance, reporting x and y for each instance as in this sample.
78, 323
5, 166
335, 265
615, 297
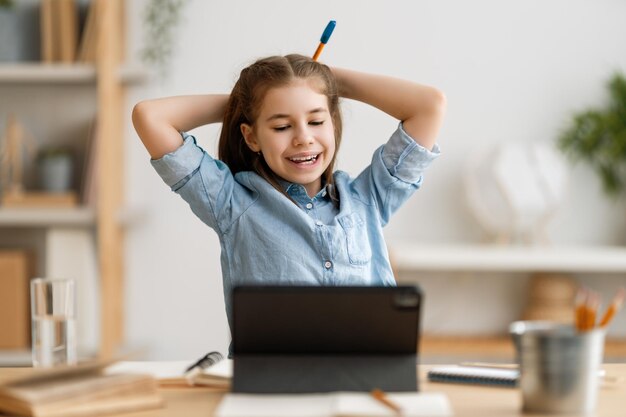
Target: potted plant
160, 18
55, 165
598, 138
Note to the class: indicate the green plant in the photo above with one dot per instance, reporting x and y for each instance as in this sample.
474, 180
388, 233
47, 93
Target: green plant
160, 18
6, 3
53, 152
598, 137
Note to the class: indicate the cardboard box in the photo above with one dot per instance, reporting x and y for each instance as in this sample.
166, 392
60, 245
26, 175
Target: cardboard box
15, 275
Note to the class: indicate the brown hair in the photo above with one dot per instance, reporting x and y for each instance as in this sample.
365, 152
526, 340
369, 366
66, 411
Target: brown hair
245, 103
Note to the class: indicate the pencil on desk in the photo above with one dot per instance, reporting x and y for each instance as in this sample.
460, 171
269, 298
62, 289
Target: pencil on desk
613, 308
380, 396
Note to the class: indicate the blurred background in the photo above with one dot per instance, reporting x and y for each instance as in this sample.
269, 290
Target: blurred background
505, 226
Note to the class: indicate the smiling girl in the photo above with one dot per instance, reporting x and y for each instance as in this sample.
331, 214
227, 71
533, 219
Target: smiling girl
282, 213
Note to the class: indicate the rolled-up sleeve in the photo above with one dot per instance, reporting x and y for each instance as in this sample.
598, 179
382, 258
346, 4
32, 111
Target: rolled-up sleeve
178, 165
405, 158
205, 183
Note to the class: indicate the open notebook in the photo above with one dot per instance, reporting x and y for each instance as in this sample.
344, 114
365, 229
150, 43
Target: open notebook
217, 376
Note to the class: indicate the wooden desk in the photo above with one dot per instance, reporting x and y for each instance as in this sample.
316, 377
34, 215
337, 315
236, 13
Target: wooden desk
466, 400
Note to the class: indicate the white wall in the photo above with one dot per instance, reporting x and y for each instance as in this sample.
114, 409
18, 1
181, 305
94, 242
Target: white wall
513, 71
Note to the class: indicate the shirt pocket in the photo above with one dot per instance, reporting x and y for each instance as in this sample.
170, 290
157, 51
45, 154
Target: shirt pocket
357, 242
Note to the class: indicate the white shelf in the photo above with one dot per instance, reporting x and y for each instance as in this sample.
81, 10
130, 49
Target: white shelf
47, 217
40, 73
407, 256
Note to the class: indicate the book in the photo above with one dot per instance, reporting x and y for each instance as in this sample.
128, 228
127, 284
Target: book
89, 180
89, 37
66, 26
474, 375
76, 391
59, 30
335, 404
48, 41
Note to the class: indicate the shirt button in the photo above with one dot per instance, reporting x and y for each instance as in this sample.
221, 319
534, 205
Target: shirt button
309, 205
319, 223
328, 264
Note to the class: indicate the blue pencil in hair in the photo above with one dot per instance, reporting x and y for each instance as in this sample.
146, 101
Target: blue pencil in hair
324, 39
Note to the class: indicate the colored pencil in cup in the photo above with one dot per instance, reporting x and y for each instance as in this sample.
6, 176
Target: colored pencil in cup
593, 302
613, 308
324, 39
580, 312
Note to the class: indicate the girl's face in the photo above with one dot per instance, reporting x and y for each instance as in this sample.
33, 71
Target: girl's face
294, 132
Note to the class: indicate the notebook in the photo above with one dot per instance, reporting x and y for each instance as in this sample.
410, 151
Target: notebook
507, 376
172, 373
474, 375
338, 404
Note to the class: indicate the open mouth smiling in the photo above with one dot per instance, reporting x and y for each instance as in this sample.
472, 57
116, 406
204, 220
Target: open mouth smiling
304, 160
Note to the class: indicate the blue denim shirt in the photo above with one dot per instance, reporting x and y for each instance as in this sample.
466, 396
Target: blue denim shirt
267, 239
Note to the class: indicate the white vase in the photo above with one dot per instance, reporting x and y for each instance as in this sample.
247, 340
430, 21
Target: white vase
56, 173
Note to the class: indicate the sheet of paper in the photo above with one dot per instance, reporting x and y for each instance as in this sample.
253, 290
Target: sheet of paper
413, 404
262, 405
223, 368
159, 370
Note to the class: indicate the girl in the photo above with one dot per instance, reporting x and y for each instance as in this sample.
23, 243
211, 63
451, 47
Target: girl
283, 215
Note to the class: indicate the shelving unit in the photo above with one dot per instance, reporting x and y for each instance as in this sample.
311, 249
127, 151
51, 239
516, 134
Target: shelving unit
408, 256
94, 235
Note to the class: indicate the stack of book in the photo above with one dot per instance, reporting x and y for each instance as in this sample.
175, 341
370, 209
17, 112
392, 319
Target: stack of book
81, 390
61, 38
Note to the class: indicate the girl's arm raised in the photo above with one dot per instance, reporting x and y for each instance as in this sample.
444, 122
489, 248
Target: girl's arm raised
159, 122
419, 107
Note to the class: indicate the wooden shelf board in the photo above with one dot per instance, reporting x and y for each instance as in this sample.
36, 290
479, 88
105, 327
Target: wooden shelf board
407, 256
38, 217
39, 73
496, 348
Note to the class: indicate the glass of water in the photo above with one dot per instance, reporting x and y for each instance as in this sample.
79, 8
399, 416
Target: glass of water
53, 308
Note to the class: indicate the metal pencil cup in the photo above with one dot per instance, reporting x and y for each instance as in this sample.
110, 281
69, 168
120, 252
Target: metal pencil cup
559, 367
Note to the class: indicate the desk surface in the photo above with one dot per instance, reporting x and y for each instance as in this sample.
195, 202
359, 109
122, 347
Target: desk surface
466, 400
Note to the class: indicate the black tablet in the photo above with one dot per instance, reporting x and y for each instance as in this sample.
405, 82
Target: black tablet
367, 336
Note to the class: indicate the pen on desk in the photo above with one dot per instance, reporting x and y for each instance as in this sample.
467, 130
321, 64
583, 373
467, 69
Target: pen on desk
381, 397
613, 308
204, 362
324, 39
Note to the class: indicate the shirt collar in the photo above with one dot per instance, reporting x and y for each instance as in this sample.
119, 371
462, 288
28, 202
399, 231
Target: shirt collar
297, 190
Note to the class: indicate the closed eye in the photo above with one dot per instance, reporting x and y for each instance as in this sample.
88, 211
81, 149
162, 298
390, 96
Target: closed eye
281, 128
316, 122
